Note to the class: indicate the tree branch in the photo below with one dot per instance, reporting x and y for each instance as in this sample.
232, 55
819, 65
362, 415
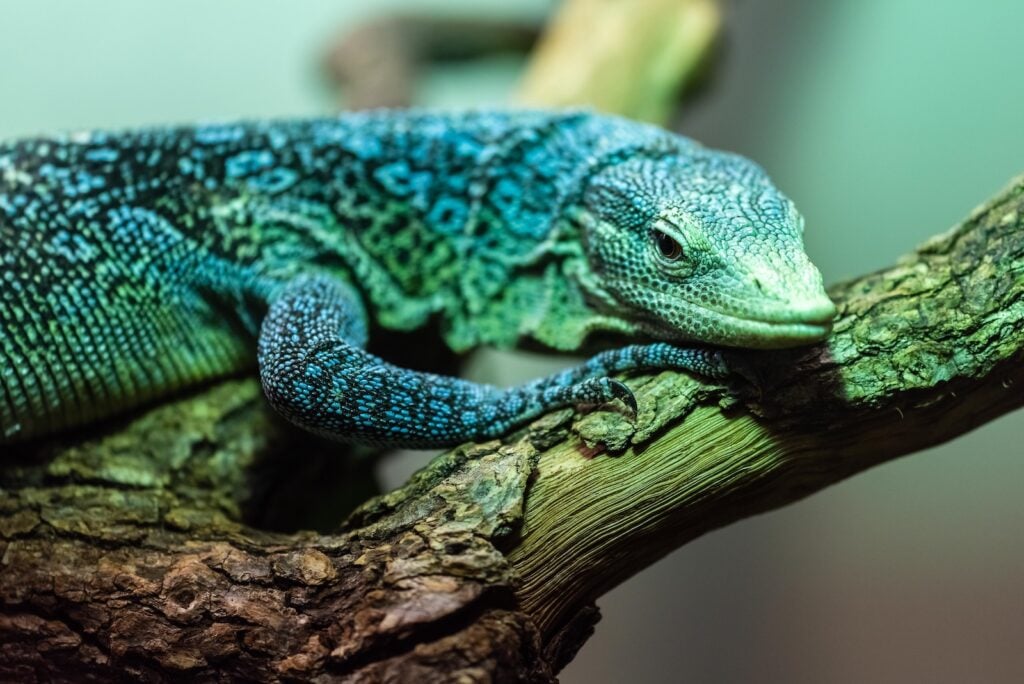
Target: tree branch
127, 552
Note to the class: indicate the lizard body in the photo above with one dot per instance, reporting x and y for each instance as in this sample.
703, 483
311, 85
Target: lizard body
138, 263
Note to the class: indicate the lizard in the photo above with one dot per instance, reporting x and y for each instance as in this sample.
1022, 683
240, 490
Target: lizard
137, 263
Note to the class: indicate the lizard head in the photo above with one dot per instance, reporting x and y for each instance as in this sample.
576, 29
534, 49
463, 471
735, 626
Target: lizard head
702, 246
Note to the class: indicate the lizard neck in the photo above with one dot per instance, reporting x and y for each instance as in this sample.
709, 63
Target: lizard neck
549, 299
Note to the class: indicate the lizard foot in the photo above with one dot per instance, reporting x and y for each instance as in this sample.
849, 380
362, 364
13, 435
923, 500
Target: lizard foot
602, 391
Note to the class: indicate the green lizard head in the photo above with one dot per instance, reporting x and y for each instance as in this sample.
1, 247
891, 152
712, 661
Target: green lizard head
702, 246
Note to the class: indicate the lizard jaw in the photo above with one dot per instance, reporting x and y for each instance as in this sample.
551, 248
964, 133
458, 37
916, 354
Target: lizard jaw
793, 328
757, 334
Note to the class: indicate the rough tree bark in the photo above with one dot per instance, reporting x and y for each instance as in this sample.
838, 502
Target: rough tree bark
126, 552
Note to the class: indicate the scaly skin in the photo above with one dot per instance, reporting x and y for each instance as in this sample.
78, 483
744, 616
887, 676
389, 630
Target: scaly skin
135, 264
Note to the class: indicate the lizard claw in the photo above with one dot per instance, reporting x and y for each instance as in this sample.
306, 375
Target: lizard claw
603, 390
621, 392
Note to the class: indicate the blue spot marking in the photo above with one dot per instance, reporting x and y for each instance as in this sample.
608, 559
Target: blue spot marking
101, 154
448, 215
245, 163
401, 181
274, 180
218, 133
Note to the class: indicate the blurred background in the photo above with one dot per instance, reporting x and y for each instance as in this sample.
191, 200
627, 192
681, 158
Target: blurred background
885, 120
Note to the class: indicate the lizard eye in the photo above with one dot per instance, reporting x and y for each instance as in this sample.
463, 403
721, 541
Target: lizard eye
668, 247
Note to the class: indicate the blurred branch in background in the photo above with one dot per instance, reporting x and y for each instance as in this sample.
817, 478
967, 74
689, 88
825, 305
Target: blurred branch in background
378, 64
630, 57
621, 57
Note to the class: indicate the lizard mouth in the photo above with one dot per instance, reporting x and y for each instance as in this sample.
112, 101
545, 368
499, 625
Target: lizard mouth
790, 328
764, 334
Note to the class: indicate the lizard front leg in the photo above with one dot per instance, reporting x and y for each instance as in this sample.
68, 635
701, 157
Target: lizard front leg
316, 373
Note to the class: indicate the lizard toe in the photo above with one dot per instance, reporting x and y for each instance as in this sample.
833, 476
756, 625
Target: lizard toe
602, 391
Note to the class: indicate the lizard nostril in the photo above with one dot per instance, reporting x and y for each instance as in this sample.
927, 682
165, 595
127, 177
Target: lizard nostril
758, 285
